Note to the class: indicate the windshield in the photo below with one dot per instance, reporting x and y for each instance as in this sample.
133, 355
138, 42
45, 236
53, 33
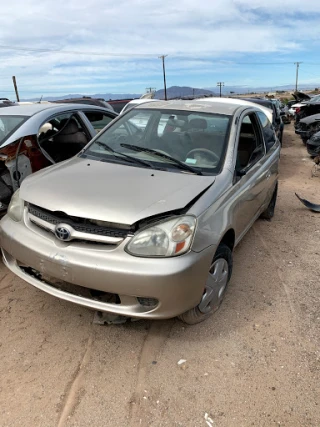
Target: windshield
8, 124
181, 141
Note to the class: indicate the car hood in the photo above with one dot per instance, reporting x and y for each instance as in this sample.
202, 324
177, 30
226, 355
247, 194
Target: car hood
111, 192
311, 119
300, 96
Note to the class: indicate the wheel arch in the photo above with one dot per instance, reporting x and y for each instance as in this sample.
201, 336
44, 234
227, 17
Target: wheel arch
229, 239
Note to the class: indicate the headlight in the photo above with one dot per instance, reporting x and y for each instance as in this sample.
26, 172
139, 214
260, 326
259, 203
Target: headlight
166, 239
15, 209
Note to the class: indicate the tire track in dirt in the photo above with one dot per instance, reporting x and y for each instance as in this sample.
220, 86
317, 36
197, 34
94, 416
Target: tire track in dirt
279, 273
71, 397
6, 283
154, 342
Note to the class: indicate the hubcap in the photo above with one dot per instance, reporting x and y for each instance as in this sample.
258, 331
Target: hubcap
216, 283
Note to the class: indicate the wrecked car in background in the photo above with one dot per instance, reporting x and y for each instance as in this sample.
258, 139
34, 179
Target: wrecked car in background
299, 97
308, 126
313, 145
38, 135
147, 225
307, 106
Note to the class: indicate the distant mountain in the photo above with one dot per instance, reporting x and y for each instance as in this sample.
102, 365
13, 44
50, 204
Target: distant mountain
172, 92
180, 91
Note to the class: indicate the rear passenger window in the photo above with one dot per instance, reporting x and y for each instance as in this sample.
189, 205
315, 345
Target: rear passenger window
250, 147
98, 119
268, 131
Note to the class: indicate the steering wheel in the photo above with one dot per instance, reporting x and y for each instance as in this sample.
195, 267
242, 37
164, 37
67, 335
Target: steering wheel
204, 151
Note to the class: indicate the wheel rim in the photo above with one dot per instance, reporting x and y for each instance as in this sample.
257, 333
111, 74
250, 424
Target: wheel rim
215, 286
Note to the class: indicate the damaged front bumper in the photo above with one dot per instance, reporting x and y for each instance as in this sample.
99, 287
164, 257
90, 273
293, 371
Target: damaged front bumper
109, 280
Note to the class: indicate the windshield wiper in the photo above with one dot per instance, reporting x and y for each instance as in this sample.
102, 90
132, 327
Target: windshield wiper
131, 159
176, 162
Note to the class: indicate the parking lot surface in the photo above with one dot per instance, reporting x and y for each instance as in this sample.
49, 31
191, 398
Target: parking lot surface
254, 363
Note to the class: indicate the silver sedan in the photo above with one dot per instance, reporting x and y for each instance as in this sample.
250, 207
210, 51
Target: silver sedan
144, 221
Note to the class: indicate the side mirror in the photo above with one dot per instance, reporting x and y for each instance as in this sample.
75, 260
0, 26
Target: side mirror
282, 113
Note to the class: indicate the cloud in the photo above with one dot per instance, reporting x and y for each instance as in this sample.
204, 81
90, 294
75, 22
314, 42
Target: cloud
191, 33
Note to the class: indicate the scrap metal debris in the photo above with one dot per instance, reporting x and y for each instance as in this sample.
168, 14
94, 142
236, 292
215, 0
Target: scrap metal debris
312, 206
209, 421
316, 166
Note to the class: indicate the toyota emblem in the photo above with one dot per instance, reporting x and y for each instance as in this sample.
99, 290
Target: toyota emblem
62, 233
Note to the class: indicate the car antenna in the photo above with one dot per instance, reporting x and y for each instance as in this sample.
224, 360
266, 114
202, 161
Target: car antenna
40, 99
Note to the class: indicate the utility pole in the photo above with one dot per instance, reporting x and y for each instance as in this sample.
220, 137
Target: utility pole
220, 84
164, 76
297, 73
15, 87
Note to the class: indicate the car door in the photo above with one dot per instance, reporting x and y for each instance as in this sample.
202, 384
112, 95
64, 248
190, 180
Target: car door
250, 174
63, 135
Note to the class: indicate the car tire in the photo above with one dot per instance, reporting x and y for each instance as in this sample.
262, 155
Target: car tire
269, 212
220, 273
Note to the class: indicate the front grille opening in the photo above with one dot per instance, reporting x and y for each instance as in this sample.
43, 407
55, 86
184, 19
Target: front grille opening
70, 288
81, 291
105, 296
82, 225
148, 302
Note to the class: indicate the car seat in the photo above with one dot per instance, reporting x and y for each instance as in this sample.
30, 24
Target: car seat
66, 143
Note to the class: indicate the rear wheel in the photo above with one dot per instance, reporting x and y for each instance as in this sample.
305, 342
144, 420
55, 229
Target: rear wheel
269, 212
215, 287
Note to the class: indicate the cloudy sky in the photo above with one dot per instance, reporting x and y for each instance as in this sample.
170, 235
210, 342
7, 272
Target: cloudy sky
98, 46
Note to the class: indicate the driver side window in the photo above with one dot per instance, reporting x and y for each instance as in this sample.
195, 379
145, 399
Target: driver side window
250, 146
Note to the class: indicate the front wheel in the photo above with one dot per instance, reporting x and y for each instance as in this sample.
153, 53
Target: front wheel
215, 287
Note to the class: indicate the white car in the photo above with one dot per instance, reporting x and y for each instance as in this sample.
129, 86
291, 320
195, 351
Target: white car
136, 102
293, 108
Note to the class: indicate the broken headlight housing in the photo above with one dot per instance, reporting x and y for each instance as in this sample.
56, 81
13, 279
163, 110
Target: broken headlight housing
16, 206
165, 239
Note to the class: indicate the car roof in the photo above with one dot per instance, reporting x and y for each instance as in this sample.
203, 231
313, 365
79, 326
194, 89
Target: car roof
142, 101
135, 102
29, 110
192, 105
226, 106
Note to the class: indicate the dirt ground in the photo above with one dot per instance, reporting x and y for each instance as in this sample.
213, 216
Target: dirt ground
254, 363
